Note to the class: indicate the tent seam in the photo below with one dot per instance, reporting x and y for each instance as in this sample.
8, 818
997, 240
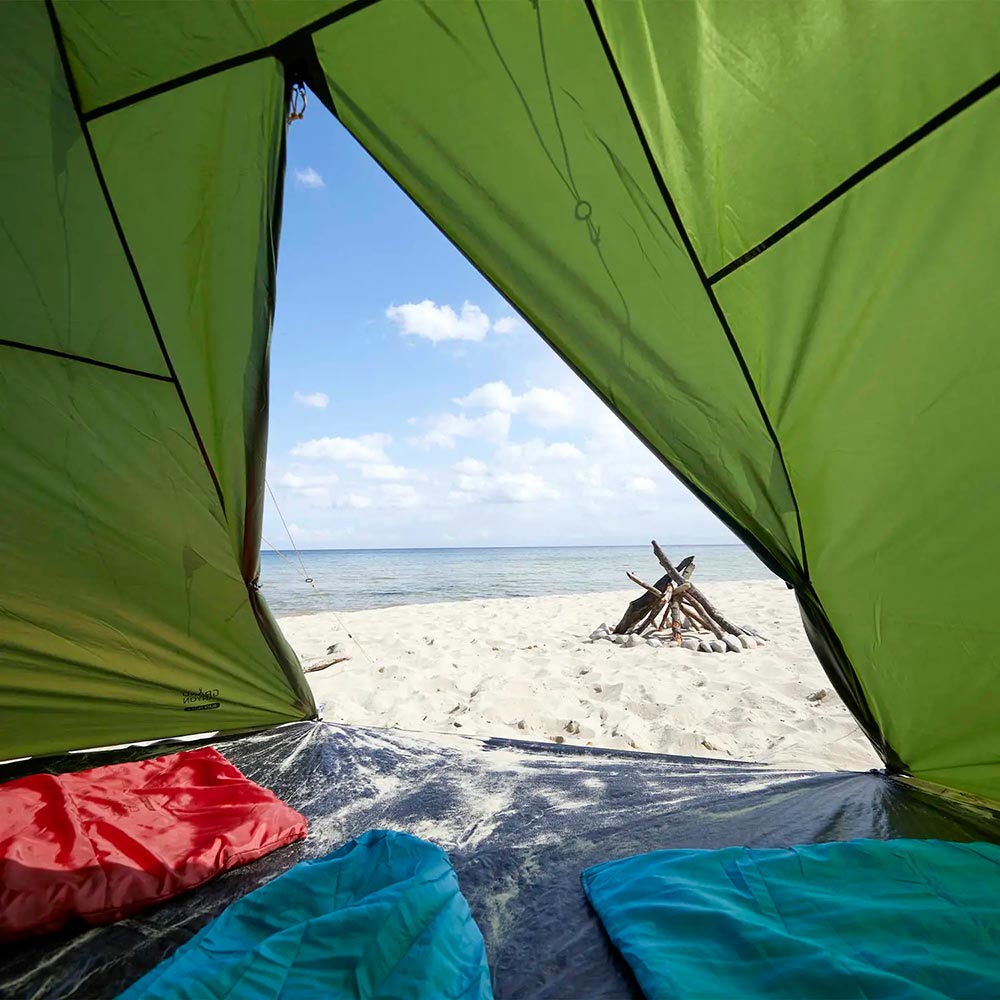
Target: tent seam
863, 173
700, 271
35, 348
133, 267
212, 69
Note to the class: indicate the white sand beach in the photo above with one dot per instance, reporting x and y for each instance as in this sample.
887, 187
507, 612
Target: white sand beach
525, 668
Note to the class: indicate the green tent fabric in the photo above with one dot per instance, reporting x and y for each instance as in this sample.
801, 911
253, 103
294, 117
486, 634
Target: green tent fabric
763, 234
133, 404
381, 917
858, 920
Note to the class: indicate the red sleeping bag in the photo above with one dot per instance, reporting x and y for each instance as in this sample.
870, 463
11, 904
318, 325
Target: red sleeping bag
99, 845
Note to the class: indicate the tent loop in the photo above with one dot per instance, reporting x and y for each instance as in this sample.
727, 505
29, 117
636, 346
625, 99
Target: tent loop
297, 103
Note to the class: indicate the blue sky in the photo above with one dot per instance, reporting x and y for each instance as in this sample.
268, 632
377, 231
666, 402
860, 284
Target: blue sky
409, 404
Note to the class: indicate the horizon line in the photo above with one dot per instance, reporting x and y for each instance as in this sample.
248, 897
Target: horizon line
450, 548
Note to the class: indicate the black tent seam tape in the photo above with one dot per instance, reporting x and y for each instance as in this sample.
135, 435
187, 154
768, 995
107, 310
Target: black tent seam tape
932, 125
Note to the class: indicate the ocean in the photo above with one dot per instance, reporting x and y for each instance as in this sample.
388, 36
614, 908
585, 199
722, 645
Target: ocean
356, 579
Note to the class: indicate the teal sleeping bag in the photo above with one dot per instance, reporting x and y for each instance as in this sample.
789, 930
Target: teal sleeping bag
381, 917
864, 919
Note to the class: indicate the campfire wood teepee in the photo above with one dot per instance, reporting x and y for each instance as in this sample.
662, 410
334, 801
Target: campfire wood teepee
686, 616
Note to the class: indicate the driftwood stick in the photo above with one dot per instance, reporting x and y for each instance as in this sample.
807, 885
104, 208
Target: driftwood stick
651, 617
695, 618
694, 615
323, 664
658, 594
641, 606
674, 599
694, 591
703, 614
648, 620
704, 623
686, 566
675, 622
667, 564
725, 623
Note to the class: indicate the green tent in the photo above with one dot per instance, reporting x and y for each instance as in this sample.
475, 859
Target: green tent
765, 234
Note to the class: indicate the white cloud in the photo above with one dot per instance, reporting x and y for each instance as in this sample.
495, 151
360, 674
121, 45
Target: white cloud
314, 487
472, 484
309, 178
564, 450
470, 467
295, 481
491, 396
546, 464
508, 324
318, 535
505, 487
369, 448
437, 323
314, 493
355, 501
547, 408
641, 486
613, 436
317, 400
385, 471
400, 495
591, 476
445, 428
531, 452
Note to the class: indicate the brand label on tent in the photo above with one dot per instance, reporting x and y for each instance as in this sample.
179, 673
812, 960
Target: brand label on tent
201, 701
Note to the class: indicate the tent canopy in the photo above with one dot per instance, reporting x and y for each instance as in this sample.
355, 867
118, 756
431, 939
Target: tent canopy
764, 234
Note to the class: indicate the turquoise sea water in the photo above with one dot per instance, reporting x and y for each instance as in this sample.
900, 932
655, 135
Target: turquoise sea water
355, 579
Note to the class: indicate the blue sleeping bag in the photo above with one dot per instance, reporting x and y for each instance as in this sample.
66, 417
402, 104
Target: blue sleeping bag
858, 920
381, 917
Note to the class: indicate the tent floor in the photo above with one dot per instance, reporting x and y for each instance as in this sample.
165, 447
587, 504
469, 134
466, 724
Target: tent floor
520, 821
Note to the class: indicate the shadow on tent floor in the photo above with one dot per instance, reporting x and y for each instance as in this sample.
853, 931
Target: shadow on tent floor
520, 821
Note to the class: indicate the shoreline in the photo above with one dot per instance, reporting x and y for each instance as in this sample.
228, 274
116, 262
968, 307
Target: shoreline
524, 668
289, 615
